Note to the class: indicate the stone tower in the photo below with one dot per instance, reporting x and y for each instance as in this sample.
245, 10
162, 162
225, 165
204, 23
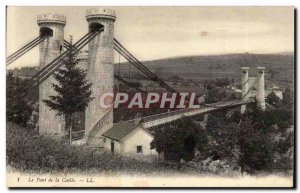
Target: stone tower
261, 88
100, 69
51, 25
245, 87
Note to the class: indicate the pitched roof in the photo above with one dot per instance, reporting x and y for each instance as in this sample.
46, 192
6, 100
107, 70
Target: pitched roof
121, 130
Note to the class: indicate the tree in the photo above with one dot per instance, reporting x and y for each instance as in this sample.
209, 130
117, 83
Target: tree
287, 97
178, 140
73, 90
222, 95
244, 140
273, 99
212, 95
18, 110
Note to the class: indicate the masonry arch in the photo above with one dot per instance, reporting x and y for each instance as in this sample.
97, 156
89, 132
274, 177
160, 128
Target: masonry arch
46, 31
94, 27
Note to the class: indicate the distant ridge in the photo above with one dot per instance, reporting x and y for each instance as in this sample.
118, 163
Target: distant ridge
279, 66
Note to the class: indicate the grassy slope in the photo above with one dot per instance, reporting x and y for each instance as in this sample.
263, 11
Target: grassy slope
200, 68
205, 67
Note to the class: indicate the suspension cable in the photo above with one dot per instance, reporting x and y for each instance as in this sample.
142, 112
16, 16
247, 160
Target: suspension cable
129, 83
131, 61
22, 48
126, 57
25, 50
141, 67
22, 52
40, 78
119, 65
59, 63
53, 63
150, 75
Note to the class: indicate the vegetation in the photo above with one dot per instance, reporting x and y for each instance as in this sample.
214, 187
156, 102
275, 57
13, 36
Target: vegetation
25, 72
254, 142
73, 90
200, 68
178, 141
18, 110
219, 82
28, 151
273, 99
249, 141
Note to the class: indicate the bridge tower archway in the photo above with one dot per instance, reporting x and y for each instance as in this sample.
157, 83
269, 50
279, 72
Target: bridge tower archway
46, 31
94, 27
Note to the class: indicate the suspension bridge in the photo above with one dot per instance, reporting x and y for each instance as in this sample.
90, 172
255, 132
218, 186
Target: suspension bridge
101, 44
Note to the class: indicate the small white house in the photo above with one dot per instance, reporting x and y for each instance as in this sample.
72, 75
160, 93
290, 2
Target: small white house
129, 138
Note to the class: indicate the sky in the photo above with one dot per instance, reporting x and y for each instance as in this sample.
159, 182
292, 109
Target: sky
151, 33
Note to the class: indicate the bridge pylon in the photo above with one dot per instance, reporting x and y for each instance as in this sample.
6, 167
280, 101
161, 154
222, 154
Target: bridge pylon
253, 83
245, 87
100, 70
52, 26
261, 88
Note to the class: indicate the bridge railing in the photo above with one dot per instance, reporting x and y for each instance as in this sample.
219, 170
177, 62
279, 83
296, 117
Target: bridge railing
181, 111
102, 120
166, 114
78, 135
75, 135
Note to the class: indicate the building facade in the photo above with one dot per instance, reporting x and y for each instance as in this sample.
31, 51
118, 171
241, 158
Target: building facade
128, 138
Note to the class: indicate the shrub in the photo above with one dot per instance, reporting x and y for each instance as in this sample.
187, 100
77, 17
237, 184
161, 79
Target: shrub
29, 151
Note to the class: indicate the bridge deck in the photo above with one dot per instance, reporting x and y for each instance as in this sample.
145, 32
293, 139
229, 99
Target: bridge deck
163, 118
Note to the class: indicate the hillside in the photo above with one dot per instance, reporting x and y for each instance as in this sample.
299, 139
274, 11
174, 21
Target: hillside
279, 67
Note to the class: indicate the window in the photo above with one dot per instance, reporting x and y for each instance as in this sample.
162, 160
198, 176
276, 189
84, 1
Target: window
139, 149
112, 147
60, 48
104, 140
152, 145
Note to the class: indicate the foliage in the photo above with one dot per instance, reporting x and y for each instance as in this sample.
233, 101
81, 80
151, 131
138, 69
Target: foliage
25, 71
220, 167
212, 94
219, 82
178, 140
215, 94
288, 100
273, 99
73, 90
18, 110
26, 150
253, 141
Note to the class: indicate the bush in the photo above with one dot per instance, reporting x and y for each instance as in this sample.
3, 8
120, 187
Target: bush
18, 110
217, 167
29, 151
